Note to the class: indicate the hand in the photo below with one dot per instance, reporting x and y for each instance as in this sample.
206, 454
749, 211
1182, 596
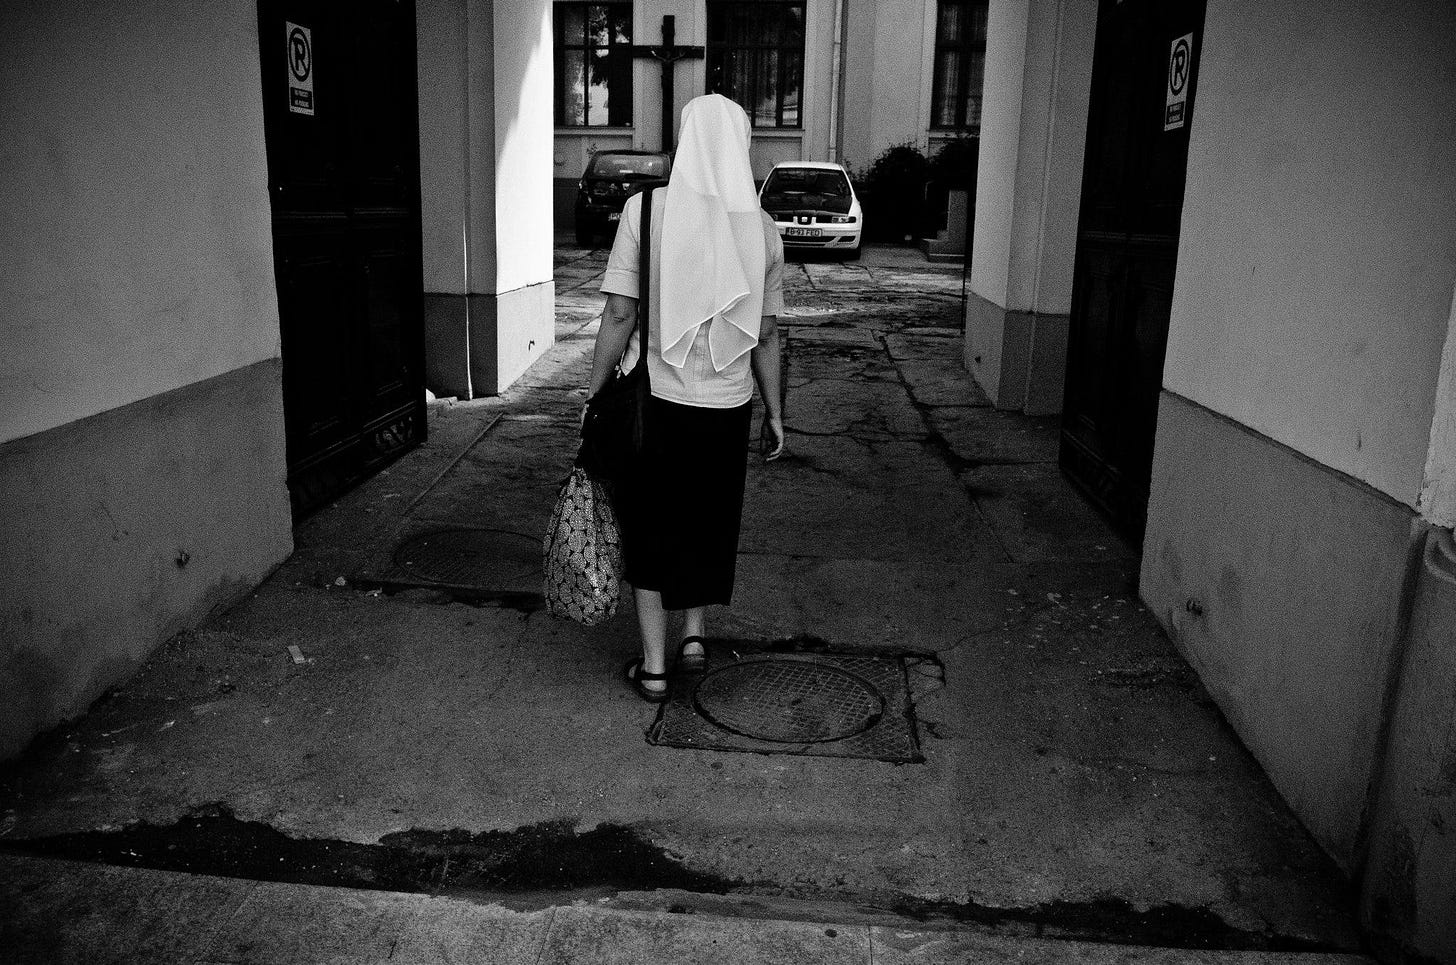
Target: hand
771, 437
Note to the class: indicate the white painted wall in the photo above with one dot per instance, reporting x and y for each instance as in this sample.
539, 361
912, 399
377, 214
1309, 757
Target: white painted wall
1318, 245
523, 125
1033, 137
1052, 140
889, 50
485, 144
900, 108
445, 84
137, 244
859, 88
1007, 23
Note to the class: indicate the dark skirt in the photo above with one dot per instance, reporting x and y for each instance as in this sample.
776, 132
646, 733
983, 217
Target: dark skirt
681, 510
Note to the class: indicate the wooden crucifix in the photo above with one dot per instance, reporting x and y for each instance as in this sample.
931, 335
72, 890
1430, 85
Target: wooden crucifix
667, 54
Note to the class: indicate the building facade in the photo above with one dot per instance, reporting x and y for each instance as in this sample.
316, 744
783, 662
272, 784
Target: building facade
822, 80
239, 248
1219, 240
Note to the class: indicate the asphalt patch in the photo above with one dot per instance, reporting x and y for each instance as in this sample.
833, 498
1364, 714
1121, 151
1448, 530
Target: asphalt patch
555, 863
550, 857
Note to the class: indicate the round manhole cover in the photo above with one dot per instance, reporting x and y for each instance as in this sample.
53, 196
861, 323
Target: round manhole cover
789, 701
485, 558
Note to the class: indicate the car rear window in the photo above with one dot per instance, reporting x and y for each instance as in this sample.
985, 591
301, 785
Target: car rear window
806, 188
629, 165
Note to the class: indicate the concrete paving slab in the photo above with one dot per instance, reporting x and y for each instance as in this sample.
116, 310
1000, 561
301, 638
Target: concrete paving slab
805, 316
1037, 516
938, 344
110, 915
445, 931
862, 408
860, 604
832, 334
901, 947
631, 938
941, 382
836, 274
977, 436
891, 500
508, 480
281, 924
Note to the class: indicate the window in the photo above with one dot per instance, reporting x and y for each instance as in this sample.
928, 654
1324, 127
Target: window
960, 63
593, 64
756, 57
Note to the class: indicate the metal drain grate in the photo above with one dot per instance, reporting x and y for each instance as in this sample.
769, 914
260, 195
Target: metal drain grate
789, 701
470, 558
819, 704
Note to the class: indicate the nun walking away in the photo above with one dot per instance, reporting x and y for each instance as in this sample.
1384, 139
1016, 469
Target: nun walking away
715, 287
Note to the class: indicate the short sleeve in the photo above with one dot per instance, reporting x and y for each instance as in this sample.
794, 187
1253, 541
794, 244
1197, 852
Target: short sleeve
773, 271
620, 278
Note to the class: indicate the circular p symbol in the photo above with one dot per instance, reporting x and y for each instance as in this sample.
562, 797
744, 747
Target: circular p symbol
300, 55
1178, 64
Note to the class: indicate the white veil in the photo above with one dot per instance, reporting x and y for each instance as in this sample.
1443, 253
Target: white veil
712, 237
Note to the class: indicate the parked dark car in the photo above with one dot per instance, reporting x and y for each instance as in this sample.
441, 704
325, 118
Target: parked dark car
611, 177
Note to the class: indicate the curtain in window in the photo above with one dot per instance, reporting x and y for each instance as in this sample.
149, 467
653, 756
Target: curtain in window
756, 58
593, 64
960, 58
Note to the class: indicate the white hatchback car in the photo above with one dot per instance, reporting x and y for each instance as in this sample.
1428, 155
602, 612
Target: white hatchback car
813, 204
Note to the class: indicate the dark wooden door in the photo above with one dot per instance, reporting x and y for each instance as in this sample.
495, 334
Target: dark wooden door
1127, 247
341, 116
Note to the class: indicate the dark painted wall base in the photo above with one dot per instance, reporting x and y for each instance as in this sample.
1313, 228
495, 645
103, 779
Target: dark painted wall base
477, 345
1019, 358
125, 527
1321, 615
1282, 582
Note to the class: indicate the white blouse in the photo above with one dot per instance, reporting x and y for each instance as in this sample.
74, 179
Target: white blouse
696, 383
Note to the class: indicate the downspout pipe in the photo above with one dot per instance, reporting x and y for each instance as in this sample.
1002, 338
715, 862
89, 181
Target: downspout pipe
836, 65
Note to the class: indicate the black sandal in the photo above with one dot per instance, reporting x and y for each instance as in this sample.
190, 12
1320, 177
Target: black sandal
635, 675
692, 662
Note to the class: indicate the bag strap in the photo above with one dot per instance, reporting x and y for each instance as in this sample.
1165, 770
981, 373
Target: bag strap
644, 269
644, 321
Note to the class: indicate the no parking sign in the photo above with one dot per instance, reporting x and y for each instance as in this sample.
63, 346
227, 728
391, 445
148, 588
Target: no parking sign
300, 69
1180, 72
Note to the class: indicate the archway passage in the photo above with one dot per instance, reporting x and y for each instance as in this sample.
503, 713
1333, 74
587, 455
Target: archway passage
340, 109
1144, 78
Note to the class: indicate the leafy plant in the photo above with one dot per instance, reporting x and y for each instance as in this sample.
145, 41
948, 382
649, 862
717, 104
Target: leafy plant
954, 166
893, 194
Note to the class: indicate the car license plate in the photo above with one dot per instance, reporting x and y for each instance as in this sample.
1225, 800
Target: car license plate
614, 216
802, 232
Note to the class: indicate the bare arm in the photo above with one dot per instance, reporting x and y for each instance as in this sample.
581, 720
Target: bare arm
767, 372
618, 320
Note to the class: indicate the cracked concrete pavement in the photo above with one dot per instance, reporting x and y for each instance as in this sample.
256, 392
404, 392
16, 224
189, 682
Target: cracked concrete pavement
1077, 780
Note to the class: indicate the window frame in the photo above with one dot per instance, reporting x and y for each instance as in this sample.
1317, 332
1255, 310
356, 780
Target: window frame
717, 48
965, 50
613, 47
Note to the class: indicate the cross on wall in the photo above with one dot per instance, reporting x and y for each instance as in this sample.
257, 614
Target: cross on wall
667, 54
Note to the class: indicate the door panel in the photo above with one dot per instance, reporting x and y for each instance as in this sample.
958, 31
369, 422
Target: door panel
344, 183
1127, 248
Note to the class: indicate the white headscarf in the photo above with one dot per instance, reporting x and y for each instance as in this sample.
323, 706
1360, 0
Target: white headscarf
712, 237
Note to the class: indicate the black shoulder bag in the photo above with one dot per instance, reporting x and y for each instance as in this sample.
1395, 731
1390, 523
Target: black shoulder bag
612, 435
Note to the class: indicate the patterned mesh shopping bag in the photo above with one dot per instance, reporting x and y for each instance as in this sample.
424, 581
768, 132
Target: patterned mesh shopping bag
583, 550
